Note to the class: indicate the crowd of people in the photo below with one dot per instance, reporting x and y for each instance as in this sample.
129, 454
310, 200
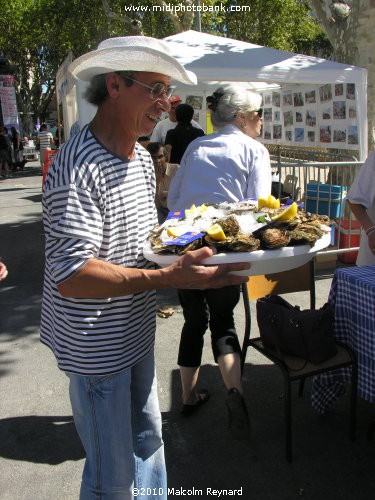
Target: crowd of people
12, 145
11, 152
102, 195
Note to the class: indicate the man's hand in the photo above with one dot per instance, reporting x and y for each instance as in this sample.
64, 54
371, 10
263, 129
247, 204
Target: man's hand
188, 272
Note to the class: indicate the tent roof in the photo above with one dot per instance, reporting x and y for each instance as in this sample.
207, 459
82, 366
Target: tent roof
218, 58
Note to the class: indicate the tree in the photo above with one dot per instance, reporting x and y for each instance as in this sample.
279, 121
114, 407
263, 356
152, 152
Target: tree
36, 35
348, 26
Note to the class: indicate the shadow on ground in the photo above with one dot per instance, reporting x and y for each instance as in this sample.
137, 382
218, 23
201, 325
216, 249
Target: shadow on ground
201, 454
39, 439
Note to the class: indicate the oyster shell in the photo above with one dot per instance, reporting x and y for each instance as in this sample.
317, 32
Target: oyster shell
238, 243
273, 237
193, 245
158, 246
306, 234
229, 225
244, 243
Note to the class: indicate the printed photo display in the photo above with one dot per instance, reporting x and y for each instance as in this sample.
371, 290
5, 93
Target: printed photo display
315, 115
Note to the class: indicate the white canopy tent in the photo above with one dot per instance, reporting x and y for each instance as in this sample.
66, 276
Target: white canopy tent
219, 59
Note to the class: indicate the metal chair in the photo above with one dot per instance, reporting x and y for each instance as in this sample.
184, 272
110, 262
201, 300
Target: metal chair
290, 366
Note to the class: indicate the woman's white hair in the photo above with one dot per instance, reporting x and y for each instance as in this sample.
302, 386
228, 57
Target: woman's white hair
228, 100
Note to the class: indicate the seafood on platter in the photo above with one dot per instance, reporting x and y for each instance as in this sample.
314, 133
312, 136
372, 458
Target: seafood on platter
237, 227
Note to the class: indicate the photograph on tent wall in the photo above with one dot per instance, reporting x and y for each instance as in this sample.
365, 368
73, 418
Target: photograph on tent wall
329, 121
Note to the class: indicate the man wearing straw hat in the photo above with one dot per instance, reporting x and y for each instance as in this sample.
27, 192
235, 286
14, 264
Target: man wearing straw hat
98, 313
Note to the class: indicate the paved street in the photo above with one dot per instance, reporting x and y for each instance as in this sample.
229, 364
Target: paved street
41, 457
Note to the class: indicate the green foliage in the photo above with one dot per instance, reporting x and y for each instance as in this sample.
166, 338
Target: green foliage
279, 24
36, 35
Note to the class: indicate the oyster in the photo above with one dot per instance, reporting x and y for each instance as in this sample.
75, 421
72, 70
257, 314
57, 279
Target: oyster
158, 246
316, 219
244, 243
306, 234
238, 243
229, 225
273, 237
193, 245
300, 237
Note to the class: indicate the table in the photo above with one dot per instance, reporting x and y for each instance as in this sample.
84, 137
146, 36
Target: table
353, 296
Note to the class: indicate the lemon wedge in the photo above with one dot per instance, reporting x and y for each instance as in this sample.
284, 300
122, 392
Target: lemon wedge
273, 202
202, 208
270, 202
190, 212
262, 202
175, 231
216, 233
194, 211
287, 214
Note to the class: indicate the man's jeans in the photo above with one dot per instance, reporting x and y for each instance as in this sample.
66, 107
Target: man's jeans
118, 420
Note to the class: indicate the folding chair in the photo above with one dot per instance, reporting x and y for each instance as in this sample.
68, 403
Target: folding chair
302, 278
290, 187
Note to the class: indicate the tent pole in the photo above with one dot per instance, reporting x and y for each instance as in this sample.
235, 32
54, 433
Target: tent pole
198, 16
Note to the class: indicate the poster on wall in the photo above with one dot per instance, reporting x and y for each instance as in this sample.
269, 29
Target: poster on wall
311, 116
8, 101
195, 101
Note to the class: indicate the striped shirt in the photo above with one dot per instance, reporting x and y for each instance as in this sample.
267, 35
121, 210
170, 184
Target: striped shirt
45, 139
96, 205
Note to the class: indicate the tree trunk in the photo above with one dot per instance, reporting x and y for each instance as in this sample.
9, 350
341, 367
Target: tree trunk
349, 27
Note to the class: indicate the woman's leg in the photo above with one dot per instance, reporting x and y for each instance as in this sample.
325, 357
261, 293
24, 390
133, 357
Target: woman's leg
227, 351
230, 369
224, 338
191, 343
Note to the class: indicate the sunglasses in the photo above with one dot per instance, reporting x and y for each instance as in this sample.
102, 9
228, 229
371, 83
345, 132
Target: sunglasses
156, 91
260, 112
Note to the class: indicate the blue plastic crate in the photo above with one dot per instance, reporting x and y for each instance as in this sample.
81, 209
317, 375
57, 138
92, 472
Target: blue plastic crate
325, 199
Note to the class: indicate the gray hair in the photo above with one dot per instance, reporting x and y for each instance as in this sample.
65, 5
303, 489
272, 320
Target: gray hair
96, 93
230, 99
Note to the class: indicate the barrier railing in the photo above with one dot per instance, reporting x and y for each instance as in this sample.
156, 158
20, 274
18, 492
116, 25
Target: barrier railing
322, 188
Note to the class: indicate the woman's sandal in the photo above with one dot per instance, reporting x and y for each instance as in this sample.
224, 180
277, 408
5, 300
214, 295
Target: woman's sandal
202, 397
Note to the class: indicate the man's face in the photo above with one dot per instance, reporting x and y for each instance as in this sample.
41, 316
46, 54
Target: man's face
136, 109
159, 158
172, 111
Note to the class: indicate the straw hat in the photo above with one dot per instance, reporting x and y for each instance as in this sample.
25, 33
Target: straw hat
130, 53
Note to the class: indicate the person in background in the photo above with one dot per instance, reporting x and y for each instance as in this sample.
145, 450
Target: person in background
98, 310
160, 131
226, 166
54, 128
55, 131
361, 199
164, 173
5, 153
45, 141
178, 138
17, 150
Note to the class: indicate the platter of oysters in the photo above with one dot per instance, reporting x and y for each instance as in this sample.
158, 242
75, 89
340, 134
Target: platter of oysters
271, 238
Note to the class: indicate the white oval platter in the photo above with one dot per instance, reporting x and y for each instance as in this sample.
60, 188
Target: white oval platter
262, 261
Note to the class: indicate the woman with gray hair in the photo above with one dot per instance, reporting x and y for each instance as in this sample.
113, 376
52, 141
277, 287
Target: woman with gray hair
226, 166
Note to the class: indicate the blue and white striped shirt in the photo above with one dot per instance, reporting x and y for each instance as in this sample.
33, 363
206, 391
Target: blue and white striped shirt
96, 205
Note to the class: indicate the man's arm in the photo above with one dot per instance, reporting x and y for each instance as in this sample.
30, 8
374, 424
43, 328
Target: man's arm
100, 279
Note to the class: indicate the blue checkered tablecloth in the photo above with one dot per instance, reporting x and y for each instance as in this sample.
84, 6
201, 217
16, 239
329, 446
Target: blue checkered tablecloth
353, 296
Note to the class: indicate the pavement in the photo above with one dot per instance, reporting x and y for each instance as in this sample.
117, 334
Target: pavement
41, 457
